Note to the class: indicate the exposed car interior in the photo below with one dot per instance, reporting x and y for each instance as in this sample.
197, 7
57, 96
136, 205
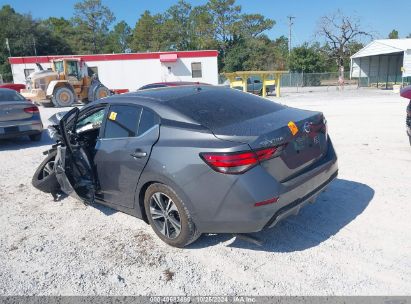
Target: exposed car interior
87, 129
120, 122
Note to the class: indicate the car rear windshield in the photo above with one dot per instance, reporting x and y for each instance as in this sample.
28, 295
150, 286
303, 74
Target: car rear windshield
10, 96
222, 107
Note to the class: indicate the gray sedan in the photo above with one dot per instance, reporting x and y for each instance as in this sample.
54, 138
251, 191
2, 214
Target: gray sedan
18, 116
191, 159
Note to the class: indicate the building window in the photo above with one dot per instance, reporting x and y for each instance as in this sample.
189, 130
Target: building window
196, 70
27, 72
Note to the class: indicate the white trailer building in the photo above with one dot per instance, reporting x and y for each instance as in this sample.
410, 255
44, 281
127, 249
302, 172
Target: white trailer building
133, 70
383, 63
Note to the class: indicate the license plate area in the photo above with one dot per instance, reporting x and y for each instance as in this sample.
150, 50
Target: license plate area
303, 150
11, 129
303, 142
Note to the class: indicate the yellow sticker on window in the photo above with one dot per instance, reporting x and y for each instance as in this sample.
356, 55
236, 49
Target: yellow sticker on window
293, 128
112, 116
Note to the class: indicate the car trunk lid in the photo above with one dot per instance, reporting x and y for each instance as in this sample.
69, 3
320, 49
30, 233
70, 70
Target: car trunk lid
14, 110
301, 134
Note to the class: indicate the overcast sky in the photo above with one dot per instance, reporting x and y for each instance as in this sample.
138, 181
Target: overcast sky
376, 15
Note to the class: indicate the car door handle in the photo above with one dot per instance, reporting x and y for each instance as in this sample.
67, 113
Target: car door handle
139, 154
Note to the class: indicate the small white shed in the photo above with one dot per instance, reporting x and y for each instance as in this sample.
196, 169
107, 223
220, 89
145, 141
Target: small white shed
385, 61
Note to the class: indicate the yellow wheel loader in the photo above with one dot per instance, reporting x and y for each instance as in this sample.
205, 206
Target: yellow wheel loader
68, 81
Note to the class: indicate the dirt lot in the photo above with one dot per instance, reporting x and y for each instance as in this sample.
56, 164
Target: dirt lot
354, 241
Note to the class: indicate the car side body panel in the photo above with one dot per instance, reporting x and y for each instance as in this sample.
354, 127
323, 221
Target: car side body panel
118, 170
175, 160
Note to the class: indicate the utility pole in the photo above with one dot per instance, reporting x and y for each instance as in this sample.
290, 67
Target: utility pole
290, 24
34, 46
8, 46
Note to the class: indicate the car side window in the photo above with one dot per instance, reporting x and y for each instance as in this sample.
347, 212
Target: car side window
91, 121
122, 121
148, 120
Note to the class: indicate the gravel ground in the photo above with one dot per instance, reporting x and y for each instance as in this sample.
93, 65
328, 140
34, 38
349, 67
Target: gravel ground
353, 241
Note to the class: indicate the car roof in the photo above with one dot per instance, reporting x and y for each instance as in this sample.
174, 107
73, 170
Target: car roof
164, 94
207, 106
176, 83
7, 89
157, 99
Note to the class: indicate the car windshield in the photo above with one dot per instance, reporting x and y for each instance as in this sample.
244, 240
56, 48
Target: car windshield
6, 95
58, 66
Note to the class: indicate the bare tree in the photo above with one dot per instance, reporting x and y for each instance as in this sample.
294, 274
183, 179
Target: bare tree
339, 31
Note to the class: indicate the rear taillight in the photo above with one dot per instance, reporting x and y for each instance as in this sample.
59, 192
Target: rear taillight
31, 110
238, 162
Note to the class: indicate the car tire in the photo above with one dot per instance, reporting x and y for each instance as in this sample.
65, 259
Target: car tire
178, 213
267, 92
35, 137
101, 92
47, 104
44, 178
63, 97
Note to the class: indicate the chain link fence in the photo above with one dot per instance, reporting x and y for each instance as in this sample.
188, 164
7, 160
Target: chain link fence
384, 82
314, 79
301, 80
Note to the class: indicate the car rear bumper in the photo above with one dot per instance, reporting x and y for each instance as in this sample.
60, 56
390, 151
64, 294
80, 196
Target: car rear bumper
11, 130
238, 213
294, 207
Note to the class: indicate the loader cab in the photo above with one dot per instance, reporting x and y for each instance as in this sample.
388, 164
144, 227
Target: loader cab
69, 69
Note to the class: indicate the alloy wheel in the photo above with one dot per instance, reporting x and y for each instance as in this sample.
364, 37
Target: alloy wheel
48, 169
165, 215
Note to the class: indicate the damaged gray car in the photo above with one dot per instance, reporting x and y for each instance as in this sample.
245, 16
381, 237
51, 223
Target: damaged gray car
191, 160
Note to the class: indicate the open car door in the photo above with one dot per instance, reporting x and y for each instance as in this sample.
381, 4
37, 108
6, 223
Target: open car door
73, 167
